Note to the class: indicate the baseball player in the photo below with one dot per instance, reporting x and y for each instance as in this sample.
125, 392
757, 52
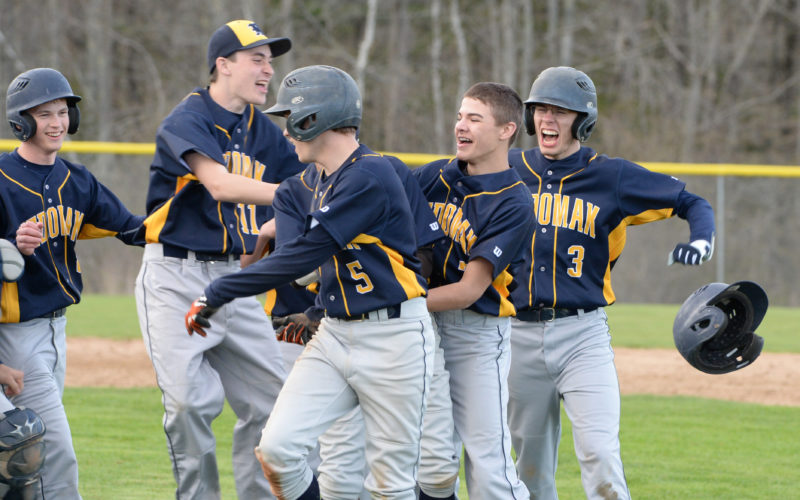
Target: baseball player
374, 347
216, 157
560, 343
341, 473
46, 205
485, 209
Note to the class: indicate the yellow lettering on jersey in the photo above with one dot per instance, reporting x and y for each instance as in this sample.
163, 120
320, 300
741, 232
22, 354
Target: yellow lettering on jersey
53, 224
66, 220
576, 222
235, 163
76, 225
591, 215
246, 167
352, 246
259, 170
437, 210
59, 221
544, 212
535, 197
561, 210
444, 220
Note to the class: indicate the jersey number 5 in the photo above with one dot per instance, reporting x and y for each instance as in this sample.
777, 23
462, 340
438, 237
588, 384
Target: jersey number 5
576, 252
358, 274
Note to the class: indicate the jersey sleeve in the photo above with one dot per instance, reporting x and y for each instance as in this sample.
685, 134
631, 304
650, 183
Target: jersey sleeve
698, 212
500, 242
186, 131
642, 193
290, 211
110, 217
426, 227
290, 261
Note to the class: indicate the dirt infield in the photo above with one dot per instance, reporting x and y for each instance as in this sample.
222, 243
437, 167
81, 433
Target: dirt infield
771, 380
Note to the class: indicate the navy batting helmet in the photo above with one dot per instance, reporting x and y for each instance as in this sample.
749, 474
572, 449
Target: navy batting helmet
567, 88
315, 99
714, 328
35, 87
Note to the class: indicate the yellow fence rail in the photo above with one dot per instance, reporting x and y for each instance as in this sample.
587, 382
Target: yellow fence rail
416, 159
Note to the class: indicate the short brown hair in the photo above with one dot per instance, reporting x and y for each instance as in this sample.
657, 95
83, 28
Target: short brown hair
504, 102
215, 74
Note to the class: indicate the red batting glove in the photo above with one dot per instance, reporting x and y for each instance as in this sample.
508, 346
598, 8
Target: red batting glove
198, 316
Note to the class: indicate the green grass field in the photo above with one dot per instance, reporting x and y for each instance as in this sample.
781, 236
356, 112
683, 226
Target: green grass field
672, 447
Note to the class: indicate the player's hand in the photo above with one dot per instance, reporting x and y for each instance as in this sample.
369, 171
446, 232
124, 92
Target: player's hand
12, 380
295, 328
29, 237
198, 316
691, 254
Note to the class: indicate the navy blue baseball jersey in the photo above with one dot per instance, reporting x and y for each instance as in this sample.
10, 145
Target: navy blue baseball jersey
71, 204
181, 212
583, 205
484, 216
359, 232
292, 203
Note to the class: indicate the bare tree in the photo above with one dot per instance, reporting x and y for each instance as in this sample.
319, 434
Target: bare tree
436, 76
464, 70
364, 47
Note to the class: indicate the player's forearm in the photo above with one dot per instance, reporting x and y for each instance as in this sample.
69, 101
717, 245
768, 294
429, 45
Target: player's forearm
238, 189
698, 213
452, 297
225, 186
296, 258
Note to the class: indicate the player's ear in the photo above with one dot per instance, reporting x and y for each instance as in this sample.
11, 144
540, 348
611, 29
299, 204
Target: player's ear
508, 131
222, 65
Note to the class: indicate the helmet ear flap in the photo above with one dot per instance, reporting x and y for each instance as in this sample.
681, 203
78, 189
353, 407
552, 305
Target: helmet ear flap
74, 115
25, 130
582, 127
527, 119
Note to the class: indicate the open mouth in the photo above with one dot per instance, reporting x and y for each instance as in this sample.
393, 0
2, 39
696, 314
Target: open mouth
548, 138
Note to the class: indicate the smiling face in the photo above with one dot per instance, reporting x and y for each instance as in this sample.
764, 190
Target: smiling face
478, 135
52, 122
249, 73
554, 131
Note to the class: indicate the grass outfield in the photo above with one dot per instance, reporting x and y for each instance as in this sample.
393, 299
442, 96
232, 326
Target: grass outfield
672, 447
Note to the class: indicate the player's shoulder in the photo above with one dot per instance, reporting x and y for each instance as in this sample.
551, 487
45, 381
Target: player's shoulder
301, 181
431, 170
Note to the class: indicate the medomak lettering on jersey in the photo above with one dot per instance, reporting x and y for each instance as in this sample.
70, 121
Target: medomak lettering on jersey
454, 225
241, 164
59, 221
564, 211
244, 165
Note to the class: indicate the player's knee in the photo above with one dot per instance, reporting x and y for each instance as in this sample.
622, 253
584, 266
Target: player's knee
21, 447
279, 450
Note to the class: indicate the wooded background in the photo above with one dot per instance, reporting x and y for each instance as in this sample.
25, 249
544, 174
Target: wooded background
698, 81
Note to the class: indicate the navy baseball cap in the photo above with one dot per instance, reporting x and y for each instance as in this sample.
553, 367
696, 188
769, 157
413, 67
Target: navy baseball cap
241, 35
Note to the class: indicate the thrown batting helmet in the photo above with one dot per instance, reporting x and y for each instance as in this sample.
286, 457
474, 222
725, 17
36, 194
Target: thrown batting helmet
566, 88
35, 87
714, 328
315, 99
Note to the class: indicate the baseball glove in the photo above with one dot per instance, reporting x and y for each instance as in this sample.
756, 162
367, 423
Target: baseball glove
296, 328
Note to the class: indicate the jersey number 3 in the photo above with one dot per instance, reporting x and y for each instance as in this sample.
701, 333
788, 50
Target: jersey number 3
576, 252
